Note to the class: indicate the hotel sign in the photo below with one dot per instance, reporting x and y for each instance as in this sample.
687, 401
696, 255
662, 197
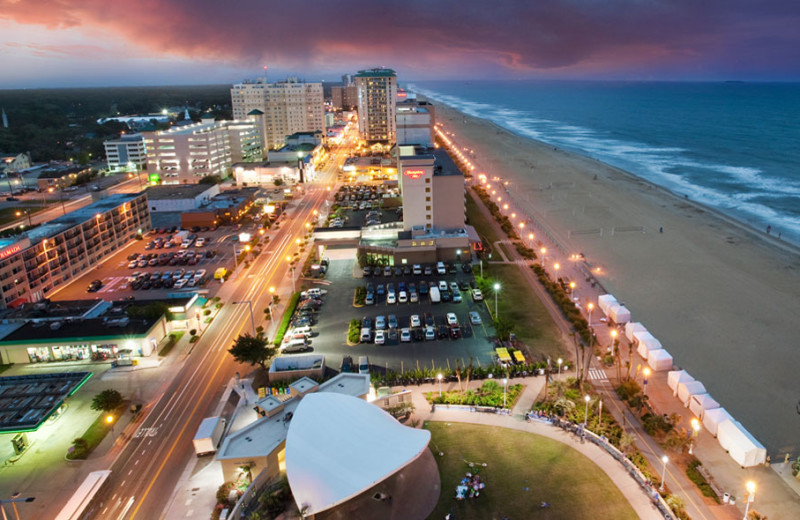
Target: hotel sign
414, 174
16, 248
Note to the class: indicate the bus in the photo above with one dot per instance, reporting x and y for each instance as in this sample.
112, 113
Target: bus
82, 505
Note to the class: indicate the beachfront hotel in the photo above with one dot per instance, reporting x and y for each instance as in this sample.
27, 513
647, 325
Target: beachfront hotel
186, 154
377, 92
34, 263
283, 108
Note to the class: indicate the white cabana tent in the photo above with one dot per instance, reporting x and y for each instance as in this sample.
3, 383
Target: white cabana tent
712, 419
740, 444
688, 389
605, 301
698, 404
647, 342
659, 360
619, 314
631, 327
675, 377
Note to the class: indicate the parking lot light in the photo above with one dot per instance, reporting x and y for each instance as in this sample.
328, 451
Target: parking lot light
439, 377
496, 290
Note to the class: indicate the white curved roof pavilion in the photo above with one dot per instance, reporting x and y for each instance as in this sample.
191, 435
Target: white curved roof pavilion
339, 446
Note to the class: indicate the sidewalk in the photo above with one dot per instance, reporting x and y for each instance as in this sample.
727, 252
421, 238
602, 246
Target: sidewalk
635, 495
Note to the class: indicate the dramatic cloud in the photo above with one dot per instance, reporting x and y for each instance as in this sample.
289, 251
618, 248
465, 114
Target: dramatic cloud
435, 38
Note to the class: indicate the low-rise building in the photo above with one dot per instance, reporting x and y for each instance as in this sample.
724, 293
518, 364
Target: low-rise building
177, 198
43, 258
126, 152
60, 177
14, 162
226, 207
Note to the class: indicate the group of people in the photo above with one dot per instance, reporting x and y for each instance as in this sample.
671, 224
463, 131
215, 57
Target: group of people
470, 487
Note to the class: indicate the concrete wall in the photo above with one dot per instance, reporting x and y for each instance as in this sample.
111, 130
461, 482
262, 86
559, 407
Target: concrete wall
449, 208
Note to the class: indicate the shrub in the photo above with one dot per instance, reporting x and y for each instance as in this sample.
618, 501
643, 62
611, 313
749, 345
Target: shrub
700, 481
287, 317
354, 331
654, 424
361, 296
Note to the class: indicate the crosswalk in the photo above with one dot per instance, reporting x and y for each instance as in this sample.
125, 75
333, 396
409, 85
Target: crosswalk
597, 375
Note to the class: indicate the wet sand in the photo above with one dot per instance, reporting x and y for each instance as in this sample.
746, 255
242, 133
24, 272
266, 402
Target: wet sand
723, 299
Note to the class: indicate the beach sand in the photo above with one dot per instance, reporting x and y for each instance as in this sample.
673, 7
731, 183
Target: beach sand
723, 299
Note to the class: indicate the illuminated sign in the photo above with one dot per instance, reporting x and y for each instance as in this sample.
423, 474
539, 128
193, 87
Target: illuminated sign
10, 251
414, 174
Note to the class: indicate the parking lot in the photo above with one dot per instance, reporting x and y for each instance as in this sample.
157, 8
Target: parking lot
155, 267
331, 322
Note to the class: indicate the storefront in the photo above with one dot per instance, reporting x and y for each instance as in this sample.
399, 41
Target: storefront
92, 352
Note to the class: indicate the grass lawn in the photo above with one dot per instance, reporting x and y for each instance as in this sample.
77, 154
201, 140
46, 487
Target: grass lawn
481, 225
8, 215
523, 470
517, 301
95, 434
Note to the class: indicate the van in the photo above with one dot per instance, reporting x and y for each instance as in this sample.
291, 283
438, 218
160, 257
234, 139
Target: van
315, 293
440, 268
305, 330
296, 345
363, 365
220, 273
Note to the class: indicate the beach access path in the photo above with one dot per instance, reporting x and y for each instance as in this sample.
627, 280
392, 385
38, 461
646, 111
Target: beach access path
775, 495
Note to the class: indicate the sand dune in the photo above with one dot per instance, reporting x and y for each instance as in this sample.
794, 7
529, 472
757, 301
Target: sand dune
723, 299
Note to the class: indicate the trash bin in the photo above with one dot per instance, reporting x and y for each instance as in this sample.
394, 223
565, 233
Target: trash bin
726, 498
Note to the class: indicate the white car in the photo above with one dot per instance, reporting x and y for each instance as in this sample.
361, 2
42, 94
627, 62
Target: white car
477, 295
430, 333
405, 336
413, 298
442, 285
200, 242
200, 273
415, 321
453, 286
180, 283
417, 269
451, 318
380, 323
133, 264
475, 318
380, 337
402, 297
390, 298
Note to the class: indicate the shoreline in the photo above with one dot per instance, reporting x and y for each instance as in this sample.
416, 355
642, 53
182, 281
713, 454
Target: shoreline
716, 292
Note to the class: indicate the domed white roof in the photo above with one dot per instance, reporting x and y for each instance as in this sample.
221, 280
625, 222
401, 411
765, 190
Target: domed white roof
338, 446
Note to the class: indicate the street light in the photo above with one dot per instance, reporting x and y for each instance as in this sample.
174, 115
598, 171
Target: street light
590, 306
110, 421
586, 414
695, 432
751, 496
559, 361
646, 373
556, 266
496, 290
544, 252
291, 266
571, 289
505, 390
664, 459
439, 377
252, 318
14, 499
28, 214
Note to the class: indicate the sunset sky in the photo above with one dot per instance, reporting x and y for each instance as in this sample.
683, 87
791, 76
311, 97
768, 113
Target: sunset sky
156, 42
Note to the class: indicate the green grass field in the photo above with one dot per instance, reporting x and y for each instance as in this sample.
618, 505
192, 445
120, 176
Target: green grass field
523, 470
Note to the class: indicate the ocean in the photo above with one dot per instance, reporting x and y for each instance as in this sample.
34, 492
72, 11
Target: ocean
732, 146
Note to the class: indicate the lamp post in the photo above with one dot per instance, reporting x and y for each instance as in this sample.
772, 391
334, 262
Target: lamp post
664, 459
751, 496
14, 499
458, 255
505, 390
110, 421
559, 361
291, 266
586, 414
590, 306
28, 214
544, 252
439, 377
571, 289
252, 318
496, 290
646, 373
556, 266
695, 432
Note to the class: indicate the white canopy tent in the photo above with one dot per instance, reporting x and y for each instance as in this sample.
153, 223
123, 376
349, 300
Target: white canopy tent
659, 360
675, 377
605, 301
688, 389
633, 326
619, 314
647, 342
322, 472
699, 403
740, 444
713, 417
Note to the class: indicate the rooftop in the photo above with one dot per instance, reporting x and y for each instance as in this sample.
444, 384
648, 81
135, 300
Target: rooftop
178, 191
369, 73
27, 401
80, 329
47, 309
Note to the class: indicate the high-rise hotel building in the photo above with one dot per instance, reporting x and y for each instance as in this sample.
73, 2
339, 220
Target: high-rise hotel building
34, 263
377, 92
287, 107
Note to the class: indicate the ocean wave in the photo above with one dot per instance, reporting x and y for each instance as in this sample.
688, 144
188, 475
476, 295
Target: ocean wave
667, 166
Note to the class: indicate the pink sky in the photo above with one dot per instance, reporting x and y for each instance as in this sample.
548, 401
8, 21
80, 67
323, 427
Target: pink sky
111, 42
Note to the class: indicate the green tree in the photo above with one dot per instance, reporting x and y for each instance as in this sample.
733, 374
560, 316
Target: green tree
107, 401
254, 350
504, 327
210, 179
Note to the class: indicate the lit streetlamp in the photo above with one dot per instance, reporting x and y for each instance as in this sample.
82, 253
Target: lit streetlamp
556, 266
110, 422
439, 377
291, 266
695, 432
544, 252
496, 290
664, 459
586, 414
751, 496
14, 499
590, 306
646, 373
559, 361
571, 289
27, 214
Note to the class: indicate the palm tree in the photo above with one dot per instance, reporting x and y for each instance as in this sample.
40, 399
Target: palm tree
564, 405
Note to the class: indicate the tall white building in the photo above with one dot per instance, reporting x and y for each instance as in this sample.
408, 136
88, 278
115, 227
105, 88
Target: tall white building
186, 154
377, 92
125, 151
287, 107
415, 122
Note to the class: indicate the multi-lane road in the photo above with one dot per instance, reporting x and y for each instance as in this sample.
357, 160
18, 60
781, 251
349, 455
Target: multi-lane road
148, 465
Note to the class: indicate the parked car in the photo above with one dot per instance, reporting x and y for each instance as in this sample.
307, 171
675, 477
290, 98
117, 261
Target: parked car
380, 337
405, 336
452, 319
415, 321
347, 364
475, 318
430, 334
477, 295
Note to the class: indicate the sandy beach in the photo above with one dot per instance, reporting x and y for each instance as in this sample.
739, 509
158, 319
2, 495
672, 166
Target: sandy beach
723, 299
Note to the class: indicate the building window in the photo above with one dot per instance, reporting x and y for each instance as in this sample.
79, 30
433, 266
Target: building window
427, 208
427, 217
427, 190
413, 244
427, 199
427, 181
